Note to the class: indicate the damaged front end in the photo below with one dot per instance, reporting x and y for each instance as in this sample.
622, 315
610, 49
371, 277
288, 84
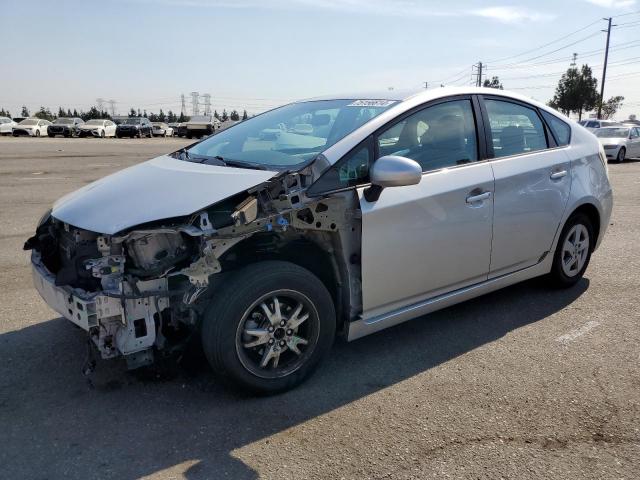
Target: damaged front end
144, 289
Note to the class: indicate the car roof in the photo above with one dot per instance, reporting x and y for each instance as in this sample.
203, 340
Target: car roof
425, 95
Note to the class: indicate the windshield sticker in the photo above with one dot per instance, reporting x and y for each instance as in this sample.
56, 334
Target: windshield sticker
371, 103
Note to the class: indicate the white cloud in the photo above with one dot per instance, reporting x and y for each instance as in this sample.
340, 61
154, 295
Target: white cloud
613, 3
396, 8
512, 14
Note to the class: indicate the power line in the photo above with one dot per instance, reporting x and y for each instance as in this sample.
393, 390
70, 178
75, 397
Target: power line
545, 45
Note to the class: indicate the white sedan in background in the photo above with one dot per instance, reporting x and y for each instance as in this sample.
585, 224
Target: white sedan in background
6, 126
161, 129
620, 142
97, 128
33, 127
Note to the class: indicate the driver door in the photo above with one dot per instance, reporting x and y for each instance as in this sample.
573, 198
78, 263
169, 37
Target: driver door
424, 240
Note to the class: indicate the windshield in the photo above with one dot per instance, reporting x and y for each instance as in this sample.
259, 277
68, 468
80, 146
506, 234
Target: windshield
63, 121
612, 132
131, 121
29, 121
95, 122
288, 136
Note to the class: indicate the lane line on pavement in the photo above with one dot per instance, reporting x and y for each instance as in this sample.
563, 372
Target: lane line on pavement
578, 332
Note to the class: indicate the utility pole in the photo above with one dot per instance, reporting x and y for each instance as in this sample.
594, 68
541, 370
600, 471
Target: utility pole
426, 85
112, 107
604, 69
100, 102
479, 74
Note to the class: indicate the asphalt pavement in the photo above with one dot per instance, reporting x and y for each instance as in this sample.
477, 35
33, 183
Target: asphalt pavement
527, 382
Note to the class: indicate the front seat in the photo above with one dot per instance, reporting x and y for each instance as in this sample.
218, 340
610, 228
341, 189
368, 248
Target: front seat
443, 144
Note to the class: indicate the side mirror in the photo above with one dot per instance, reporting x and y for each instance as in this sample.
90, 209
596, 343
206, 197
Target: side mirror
392, 171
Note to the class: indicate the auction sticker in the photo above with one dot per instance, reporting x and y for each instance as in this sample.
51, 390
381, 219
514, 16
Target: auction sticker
371, 103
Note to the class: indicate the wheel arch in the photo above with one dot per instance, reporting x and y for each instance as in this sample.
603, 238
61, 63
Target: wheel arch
301, 251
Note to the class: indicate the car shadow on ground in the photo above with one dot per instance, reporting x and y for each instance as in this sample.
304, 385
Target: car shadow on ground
55, 425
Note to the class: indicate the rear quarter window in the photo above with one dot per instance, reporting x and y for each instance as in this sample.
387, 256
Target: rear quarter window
561, 130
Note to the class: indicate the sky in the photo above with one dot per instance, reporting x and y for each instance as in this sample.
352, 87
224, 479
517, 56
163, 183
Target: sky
258, 54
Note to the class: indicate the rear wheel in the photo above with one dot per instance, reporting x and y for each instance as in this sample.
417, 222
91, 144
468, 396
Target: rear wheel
573, 251
269, 326
621, 154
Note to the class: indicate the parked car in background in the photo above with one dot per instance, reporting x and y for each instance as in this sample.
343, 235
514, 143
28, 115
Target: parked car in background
593, 125
161, 129
180, 129
201, 125
6, 126
65, 126
34, 127
135, 127
97, 128
411, 203
620, 142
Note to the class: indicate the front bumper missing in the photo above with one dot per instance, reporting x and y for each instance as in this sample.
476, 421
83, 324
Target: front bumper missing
117, 326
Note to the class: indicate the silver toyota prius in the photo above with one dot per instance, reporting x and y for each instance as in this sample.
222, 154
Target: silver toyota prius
331, 216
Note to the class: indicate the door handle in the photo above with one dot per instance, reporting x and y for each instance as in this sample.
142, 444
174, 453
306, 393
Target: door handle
479, 197
558, 174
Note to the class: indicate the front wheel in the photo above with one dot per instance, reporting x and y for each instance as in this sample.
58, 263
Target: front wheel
268, 326
621, 154
573, 252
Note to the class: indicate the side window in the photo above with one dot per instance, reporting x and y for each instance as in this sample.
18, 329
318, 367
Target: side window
515, 129
561, 131
440, 136
351, 170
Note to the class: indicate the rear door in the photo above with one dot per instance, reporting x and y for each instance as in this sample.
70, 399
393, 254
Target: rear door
634, 142
532, 184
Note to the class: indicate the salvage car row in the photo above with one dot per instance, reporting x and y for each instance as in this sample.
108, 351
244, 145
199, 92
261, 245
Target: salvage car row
134, 127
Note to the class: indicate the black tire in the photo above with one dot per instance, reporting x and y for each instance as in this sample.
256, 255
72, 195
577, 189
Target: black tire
51, 135
231, 307
558, 277
621, 154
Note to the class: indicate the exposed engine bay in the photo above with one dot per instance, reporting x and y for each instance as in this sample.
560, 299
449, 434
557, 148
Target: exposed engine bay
142, 291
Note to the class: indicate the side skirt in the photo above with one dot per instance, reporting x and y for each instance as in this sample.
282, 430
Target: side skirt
362, 327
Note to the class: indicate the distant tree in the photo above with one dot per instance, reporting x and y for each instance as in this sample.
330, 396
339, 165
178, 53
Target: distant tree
132, 112
153, 117
611, 106
44, 114
234, 115
493, 83
75, 113
224, 116
161, 116
215, 115
244, 115
69, 114
25, 111
139, 113
61, 112
182, 118
5, 113
144, 114
93, 113
171, 117
576, 91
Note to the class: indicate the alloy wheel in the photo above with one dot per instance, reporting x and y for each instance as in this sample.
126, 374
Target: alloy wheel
575, 250
277, 334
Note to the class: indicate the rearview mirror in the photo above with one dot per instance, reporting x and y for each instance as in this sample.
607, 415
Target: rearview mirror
392, 171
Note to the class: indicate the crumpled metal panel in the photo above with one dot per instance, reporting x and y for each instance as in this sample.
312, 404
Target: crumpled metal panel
164, 187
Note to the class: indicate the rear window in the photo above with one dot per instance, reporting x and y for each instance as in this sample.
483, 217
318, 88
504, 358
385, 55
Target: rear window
561, 131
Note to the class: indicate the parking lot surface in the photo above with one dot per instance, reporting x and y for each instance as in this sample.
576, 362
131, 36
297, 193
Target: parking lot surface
526, 382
